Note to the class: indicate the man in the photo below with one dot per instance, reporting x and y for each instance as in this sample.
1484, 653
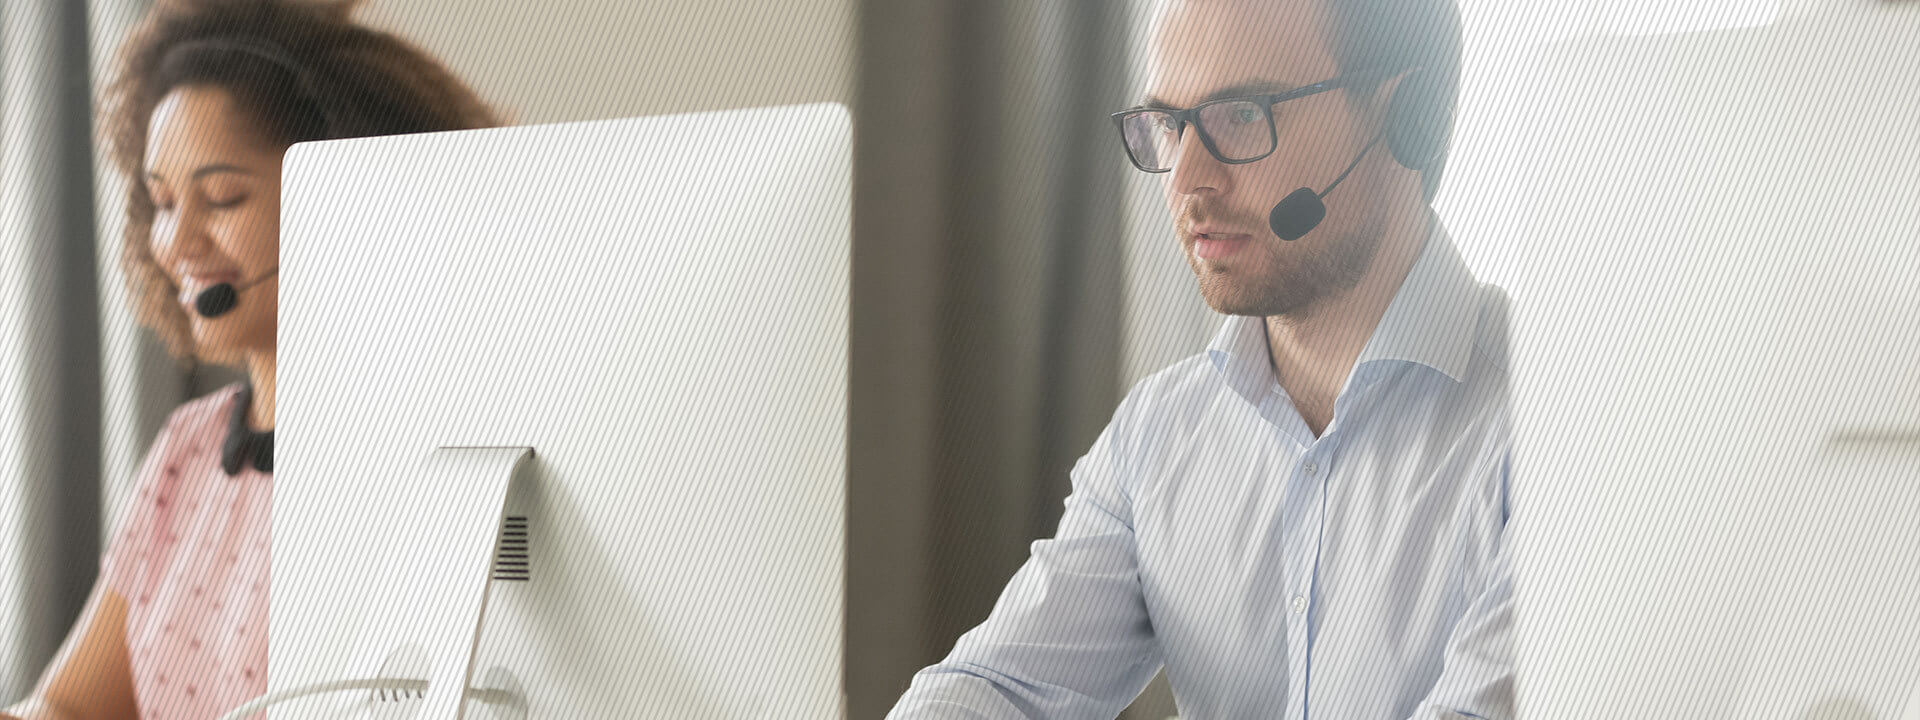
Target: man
1309, 519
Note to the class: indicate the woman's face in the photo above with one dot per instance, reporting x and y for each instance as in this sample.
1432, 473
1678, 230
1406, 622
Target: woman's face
215, 184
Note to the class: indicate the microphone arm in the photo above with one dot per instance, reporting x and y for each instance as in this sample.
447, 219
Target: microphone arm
1350, 166
276, 271
1301, 211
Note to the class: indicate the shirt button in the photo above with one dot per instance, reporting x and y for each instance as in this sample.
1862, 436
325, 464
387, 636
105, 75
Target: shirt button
1299, 605
1311, 468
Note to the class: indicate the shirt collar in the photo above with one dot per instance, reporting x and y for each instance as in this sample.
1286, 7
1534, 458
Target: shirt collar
1239, 351
1430, 322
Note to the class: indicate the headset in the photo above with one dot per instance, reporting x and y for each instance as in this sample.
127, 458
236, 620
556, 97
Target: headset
1419, 121
305, 87
1418, 126
221, 298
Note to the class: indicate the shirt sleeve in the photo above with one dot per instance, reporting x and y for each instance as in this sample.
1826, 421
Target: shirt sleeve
127, 555
1477, 679
1069, 636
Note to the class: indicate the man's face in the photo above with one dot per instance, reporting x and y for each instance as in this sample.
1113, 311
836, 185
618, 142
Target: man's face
1208, 49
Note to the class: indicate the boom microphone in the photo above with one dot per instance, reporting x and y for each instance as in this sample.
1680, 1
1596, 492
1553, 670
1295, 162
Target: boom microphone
220, 298
1302, 210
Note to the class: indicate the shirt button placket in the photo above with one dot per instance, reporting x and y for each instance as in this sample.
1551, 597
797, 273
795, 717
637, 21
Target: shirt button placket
1302, 520
1313, 484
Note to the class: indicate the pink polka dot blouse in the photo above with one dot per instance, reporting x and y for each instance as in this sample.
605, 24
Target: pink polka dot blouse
191, 560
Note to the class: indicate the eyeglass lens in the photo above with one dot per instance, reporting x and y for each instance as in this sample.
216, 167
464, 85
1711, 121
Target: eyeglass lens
1238, 129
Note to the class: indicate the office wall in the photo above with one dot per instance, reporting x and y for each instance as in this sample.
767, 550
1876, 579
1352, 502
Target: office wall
1505, 39
1710, 236
563, 60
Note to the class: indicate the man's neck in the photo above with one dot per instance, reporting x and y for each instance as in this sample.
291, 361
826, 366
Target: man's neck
1314, 351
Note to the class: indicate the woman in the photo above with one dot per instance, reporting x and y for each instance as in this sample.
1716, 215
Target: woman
208, 96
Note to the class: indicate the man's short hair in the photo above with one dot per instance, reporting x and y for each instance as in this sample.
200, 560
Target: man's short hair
1398, 34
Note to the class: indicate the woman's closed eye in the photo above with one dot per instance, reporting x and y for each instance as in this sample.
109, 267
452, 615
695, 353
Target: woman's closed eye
223, 191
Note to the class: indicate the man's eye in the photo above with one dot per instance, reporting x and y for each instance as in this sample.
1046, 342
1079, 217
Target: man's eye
1246, 115
226, 202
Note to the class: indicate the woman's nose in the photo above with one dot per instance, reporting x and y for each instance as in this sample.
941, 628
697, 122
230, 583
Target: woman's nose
182, 234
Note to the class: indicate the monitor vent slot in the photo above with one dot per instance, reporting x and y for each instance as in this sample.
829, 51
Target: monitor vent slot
511, 556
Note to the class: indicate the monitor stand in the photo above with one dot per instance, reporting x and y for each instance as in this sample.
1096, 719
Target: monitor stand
435, 583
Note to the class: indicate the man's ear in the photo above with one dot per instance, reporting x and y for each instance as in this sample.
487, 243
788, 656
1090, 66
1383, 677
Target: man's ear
1383, 94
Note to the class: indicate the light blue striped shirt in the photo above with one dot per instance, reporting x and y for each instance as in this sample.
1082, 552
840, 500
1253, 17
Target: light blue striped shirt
1360, 575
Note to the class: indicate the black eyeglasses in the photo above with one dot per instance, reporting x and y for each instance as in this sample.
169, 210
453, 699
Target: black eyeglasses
1235, 130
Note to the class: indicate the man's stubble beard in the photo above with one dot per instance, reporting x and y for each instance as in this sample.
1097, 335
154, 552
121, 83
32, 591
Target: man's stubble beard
1293, 289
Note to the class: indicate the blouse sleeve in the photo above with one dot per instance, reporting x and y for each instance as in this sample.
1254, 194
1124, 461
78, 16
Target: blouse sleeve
124, 563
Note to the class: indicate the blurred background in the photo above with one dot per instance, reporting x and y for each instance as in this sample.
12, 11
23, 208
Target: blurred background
1012, 274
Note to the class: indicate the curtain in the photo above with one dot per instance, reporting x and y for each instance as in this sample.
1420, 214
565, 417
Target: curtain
82, 388
49, 466
989, 299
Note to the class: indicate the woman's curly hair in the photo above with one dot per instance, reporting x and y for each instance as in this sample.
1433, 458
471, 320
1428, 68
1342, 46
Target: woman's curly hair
303, 70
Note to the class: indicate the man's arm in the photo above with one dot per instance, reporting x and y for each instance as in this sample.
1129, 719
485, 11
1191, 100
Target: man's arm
1069, 637
1477, 680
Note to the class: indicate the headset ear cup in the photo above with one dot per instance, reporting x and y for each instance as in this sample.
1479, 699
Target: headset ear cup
1418, 122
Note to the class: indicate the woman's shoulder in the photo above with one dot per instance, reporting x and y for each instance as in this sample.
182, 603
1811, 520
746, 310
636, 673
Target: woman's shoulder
168, 483
202, 417
211, 408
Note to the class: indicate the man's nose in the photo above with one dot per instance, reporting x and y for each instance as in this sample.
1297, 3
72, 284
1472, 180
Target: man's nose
1196, 171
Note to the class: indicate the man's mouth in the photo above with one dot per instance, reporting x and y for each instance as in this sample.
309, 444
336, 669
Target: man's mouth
1219, 245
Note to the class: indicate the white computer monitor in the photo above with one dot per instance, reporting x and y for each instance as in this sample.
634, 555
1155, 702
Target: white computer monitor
1717, 373
658, 308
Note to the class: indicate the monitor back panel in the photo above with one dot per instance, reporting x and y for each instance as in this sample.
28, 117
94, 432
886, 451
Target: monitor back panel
1717, 374
658, 307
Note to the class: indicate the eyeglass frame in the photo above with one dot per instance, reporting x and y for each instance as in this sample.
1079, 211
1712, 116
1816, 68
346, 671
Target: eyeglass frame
1190, 116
